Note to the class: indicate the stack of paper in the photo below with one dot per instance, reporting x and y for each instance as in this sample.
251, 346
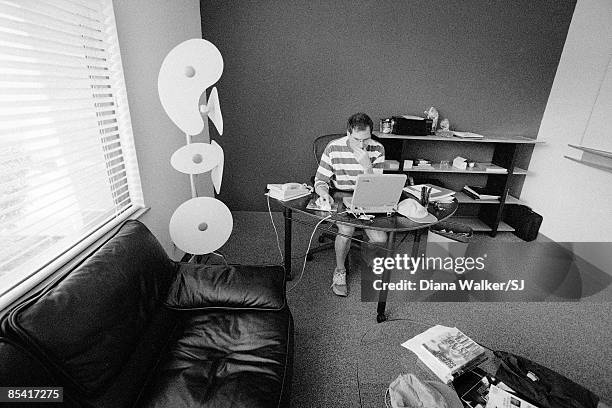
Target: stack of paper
435, 193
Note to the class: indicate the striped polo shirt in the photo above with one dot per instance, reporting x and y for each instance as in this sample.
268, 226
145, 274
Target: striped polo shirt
339, 165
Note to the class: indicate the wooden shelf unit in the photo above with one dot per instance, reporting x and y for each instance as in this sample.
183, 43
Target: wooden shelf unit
511, 153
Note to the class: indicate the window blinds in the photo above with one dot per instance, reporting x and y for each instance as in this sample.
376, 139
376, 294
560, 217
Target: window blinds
67, 161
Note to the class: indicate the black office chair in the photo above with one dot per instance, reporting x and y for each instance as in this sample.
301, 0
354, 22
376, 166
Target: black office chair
327, 239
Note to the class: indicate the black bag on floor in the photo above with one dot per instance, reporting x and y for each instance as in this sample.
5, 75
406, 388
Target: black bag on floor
540, 385
524, 220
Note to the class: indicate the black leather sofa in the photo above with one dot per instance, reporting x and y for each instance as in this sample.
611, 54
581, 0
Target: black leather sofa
129, 327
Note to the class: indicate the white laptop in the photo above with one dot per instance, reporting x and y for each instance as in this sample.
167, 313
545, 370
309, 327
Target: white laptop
376, 193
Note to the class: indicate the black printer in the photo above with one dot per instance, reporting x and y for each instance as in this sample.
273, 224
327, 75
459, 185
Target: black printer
400, 125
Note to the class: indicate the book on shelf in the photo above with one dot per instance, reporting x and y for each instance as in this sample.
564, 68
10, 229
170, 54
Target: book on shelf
480, 193
467, 135
422, 167
446, 351
417, 164
490, 168
420, 162
436, 193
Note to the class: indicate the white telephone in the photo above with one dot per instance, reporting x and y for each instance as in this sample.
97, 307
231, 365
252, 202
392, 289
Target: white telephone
287, 187
288, 191
292, 186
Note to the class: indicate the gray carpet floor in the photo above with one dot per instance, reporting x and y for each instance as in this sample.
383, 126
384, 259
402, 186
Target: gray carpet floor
573, 338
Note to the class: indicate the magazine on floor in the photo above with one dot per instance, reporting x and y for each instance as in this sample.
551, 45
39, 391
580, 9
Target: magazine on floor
446, 351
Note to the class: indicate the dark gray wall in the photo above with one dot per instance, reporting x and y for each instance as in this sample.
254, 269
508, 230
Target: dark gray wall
295, 70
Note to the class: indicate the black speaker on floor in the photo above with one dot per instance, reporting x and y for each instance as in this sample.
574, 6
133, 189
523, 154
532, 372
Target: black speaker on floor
524, 220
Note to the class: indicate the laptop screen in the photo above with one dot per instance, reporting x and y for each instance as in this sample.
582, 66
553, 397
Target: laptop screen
378, 191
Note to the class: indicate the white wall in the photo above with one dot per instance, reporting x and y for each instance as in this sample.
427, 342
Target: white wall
148, 30
575, 200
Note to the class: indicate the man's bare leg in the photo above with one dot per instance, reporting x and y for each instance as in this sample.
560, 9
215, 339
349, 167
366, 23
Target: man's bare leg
342, 246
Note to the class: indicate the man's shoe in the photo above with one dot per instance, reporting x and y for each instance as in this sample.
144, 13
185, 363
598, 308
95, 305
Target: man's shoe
339, 282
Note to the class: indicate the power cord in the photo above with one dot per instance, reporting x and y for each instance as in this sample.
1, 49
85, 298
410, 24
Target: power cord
276, 233
222, 256
307, 250
385, 397
309, 243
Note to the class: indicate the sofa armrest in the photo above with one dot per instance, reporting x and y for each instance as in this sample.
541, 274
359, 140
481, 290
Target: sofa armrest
204, 287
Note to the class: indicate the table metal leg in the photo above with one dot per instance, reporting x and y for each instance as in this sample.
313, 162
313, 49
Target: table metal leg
386, 278
416, 244
287, 214
382, 295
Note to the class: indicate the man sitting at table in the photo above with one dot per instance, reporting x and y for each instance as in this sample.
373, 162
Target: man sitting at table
342, 161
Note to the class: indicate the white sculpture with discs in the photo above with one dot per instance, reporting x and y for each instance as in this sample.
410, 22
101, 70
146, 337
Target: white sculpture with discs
213, 110
187, 71
202, 224
217, 172
197, 158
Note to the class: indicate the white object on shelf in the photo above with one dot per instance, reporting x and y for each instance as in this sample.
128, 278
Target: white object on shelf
460, 163
391, 165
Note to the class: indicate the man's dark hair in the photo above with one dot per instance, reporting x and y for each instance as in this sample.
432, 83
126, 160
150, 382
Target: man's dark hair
359, 121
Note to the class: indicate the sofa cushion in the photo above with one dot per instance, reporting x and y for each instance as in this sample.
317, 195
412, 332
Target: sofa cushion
223, 359
87, 325
19, 368
204, 287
